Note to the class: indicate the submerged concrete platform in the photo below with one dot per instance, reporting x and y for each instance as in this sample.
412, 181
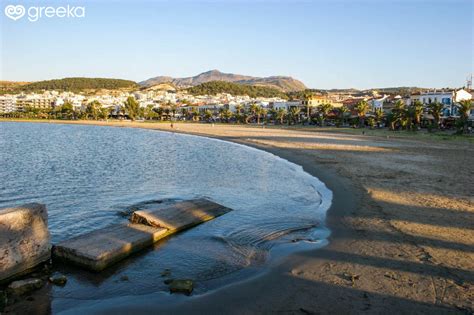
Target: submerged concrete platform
180, 215
101, 248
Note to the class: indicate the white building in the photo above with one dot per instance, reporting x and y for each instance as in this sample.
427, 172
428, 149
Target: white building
286, 105
377, 103
448, 98
8, 104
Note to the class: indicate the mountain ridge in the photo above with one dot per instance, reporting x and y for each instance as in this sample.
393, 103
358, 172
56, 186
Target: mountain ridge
282, 83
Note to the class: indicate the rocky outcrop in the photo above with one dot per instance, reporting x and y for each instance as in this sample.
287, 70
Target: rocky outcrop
24, 239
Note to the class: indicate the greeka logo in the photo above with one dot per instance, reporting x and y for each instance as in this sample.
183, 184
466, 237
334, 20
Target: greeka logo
16, 12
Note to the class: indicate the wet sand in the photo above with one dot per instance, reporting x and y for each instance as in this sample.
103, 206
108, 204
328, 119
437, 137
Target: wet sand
402, 223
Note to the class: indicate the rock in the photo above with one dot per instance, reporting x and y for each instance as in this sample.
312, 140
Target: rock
21, 287
168, 281
181, 286
58, 279
25, 240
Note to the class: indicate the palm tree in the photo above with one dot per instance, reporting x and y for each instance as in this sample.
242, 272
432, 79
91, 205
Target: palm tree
417, 107
260, 111
273, 114
225, 115
306, 100
184, 112
324, 110
254, 110
195, 114
173, 108
379, 114
436, 110
239, 116
400, 114
207, 115
464, 108
295, 114
362, 108
341, 111
281, 114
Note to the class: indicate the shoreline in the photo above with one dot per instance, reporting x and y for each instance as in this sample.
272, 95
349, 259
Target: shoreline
298, 284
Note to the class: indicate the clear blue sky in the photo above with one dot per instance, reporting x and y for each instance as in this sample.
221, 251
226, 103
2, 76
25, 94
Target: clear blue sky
325, 44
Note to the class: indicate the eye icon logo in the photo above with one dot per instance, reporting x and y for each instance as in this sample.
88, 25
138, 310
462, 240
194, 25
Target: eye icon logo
15, 12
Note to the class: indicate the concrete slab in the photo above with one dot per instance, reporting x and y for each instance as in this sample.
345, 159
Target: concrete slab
180, 215
101, 248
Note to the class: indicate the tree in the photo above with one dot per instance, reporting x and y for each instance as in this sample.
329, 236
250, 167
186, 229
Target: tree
324, 110
295, 114
104, 113
400, 114
417, 108
239, 113
148, 112
132, 108
208, 115
464, 108
254, 109
307, 96
93, 110
195, 114
173, 108
67, 110
226, 115
281, 114
184, 112
436, 110
341, 112
362, 108
378, 115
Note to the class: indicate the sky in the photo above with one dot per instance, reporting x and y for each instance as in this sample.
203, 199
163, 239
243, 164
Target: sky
325, 44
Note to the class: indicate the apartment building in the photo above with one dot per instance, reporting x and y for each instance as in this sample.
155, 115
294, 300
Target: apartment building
8, 104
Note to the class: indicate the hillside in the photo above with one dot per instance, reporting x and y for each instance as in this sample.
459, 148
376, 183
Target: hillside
215, 87
282, 83
75, 84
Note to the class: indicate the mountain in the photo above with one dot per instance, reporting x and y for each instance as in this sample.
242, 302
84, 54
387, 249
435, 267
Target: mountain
281, 83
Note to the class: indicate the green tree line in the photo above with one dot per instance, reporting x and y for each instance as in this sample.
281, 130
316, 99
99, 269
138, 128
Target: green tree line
216, 87
74, 84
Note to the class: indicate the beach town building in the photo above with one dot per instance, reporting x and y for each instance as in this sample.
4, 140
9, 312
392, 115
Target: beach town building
448, 98
36, 101
8, 104
317, 100
377, 103
286, 105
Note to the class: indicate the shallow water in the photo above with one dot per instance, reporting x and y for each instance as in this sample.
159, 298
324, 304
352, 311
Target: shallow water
88, 176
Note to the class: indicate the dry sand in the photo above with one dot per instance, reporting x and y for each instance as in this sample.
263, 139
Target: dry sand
402, 224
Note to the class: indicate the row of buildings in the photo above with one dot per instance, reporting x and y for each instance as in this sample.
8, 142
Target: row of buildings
51, 99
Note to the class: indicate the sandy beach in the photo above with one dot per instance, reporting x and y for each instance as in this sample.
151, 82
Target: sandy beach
402, 223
